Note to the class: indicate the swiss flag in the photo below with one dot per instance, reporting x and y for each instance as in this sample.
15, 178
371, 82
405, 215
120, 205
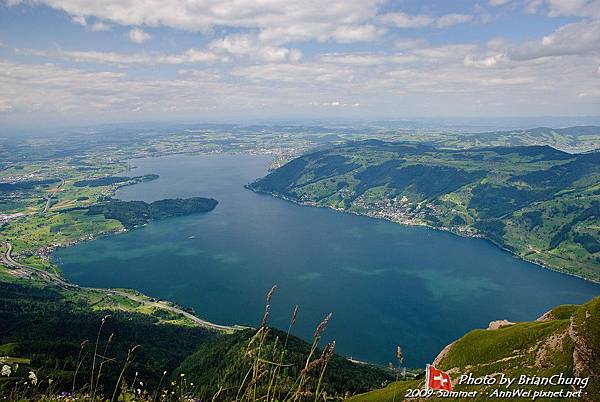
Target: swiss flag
437, 379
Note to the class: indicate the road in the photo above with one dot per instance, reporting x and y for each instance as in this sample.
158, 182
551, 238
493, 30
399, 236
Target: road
163, 305
7, 260
47, 207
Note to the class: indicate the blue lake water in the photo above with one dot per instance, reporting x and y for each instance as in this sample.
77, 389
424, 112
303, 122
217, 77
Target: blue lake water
386, 284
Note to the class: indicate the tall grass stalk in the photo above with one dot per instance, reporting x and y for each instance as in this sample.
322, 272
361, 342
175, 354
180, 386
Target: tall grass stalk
92, 391
79, 362
128, 361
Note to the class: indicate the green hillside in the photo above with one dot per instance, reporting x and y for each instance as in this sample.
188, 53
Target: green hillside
566, 340
57, 332
541, 203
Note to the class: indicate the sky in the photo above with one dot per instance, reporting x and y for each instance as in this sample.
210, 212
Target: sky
92, 61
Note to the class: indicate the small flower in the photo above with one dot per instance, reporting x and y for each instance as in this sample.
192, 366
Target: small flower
139, 391
33, 378
6, 371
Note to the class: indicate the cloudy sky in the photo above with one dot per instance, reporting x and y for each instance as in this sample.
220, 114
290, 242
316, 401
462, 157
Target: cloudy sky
78, 61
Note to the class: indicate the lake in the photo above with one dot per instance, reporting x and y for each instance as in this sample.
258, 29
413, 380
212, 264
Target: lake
385, 283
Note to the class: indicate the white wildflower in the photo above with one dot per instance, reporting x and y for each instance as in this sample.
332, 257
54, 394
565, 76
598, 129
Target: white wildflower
6, 371
33, 378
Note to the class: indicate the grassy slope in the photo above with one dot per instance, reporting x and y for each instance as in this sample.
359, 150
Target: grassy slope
541, 203
541, 348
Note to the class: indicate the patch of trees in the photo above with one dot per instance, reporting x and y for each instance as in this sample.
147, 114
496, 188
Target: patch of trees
493, 228
458, 220
26, 185
333, 165
592, 212
136, 213
107, 181
534, 218
492, 201
587, 241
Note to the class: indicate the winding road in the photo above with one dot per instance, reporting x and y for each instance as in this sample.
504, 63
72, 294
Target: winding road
7, 260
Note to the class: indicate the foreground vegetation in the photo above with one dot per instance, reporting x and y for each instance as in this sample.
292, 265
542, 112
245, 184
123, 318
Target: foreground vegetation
538, 202
55, 346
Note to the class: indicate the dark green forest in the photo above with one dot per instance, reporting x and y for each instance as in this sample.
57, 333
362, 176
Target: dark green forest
136, 213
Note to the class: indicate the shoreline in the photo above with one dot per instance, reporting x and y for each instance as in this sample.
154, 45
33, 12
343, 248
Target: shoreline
441, 229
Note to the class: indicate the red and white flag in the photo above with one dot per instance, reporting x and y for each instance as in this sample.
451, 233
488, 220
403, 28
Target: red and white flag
437, 379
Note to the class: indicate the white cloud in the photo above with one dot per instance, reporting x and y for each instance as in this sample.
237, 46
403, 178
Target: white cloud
403, 20
94, 27
99, 26
312, 19
578, 8
79, 20
295, 73
446, 53
356, 33
337, 104
366, 59
557, 8
190, 56
199, 75
452, 19
136, 35
240, 45
410, 43
486, 61
572, 39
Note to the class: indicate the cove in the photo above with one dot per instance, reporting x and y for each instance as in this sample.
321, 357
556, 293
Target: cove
386, 284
